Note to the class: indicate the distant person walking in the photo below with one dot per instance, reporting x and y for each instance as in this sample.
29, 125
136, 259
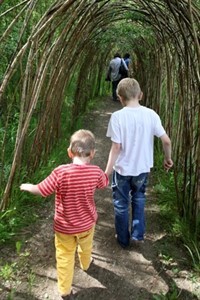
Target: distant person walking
75, 213
127, 59
132, 130
114, 74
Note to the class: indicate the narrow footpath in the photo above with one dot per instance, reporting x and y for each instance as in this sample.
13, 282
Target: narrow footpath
142, 273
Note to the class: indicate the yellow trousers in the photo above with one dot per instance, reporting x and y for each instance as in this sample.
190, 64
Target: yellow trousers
66, 245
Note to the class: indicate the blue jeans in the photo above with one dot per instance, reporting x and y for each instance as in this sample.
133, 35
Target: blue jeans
126, 190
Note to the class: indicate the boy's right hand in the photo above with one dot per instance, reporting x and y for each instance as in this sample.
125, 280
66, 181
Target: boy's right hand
168, 163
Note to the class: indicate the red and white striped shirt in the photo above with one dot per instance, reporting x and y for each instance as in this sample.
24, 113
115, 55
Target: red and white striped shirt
74, 185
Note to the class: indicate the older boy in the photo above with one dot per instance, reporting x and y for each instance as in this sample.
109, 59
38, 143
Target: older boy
132, 130
75, 211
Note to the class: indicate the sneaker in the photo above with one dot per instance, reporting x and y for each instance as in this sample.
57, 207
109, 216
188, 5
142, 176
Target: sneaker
137, 243
68, 297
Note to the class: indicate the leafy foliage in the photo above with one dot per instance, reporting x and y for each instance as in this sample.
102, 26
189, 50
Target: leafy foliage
53, 59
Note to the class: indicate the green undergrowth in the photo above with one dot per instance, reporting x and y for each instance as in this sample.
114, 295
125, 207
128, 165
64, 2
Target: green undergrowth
25, 208
177, 229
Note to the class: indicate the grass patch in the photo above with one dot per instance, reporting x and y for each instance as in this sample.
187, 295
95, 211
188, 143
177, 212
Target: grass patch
176, 227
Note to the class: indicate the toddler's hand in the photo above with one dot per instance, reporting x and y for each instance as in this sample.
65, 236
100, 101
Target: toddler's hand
25, 186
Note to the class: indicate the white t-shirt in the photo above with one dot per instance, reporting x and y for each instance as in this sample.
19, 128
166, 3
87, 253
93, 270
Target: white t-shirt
134, 128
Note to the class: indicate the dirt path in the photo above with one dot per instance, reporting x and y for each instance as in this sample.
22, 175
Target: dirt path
134, 274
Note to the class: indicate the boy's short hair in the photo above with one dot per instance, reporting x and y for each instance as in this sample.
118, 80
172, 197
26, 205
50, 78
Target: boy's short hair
117, 55
82, 142
127, 55
128, 88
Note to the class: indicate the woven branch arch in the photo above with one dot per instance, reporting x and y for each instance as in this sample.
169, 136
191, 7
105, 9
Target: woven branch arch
69, 43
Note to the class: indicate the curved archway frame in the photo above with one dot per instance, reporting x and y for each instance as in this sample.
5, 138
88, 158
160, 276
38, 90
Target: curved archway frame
71, 42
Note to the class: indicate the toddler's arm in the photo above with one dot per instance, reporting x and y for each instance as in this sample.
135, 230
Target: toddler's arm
31, 188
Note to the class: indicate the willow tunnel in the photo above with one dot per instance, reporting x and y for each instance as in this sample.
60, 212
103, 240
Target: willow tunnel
57, 63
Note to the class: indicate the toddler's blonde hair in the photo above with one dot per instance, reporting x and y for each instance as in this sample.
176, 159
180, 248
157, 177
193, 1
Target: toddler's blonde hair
82, 142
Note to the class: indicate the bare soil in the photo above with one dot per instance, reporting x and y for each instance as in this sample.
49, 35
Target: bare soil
158, 269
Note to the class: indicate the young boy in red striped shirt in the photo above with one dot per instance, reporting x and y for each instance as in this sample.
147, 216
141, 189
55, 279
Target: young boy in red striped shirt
75, 211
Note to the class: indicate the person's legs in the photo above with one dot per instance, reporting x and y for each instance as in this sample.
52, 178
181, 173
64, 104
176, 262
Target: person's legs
114, 88
138, 188
121, 188
85, 241
65, 252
